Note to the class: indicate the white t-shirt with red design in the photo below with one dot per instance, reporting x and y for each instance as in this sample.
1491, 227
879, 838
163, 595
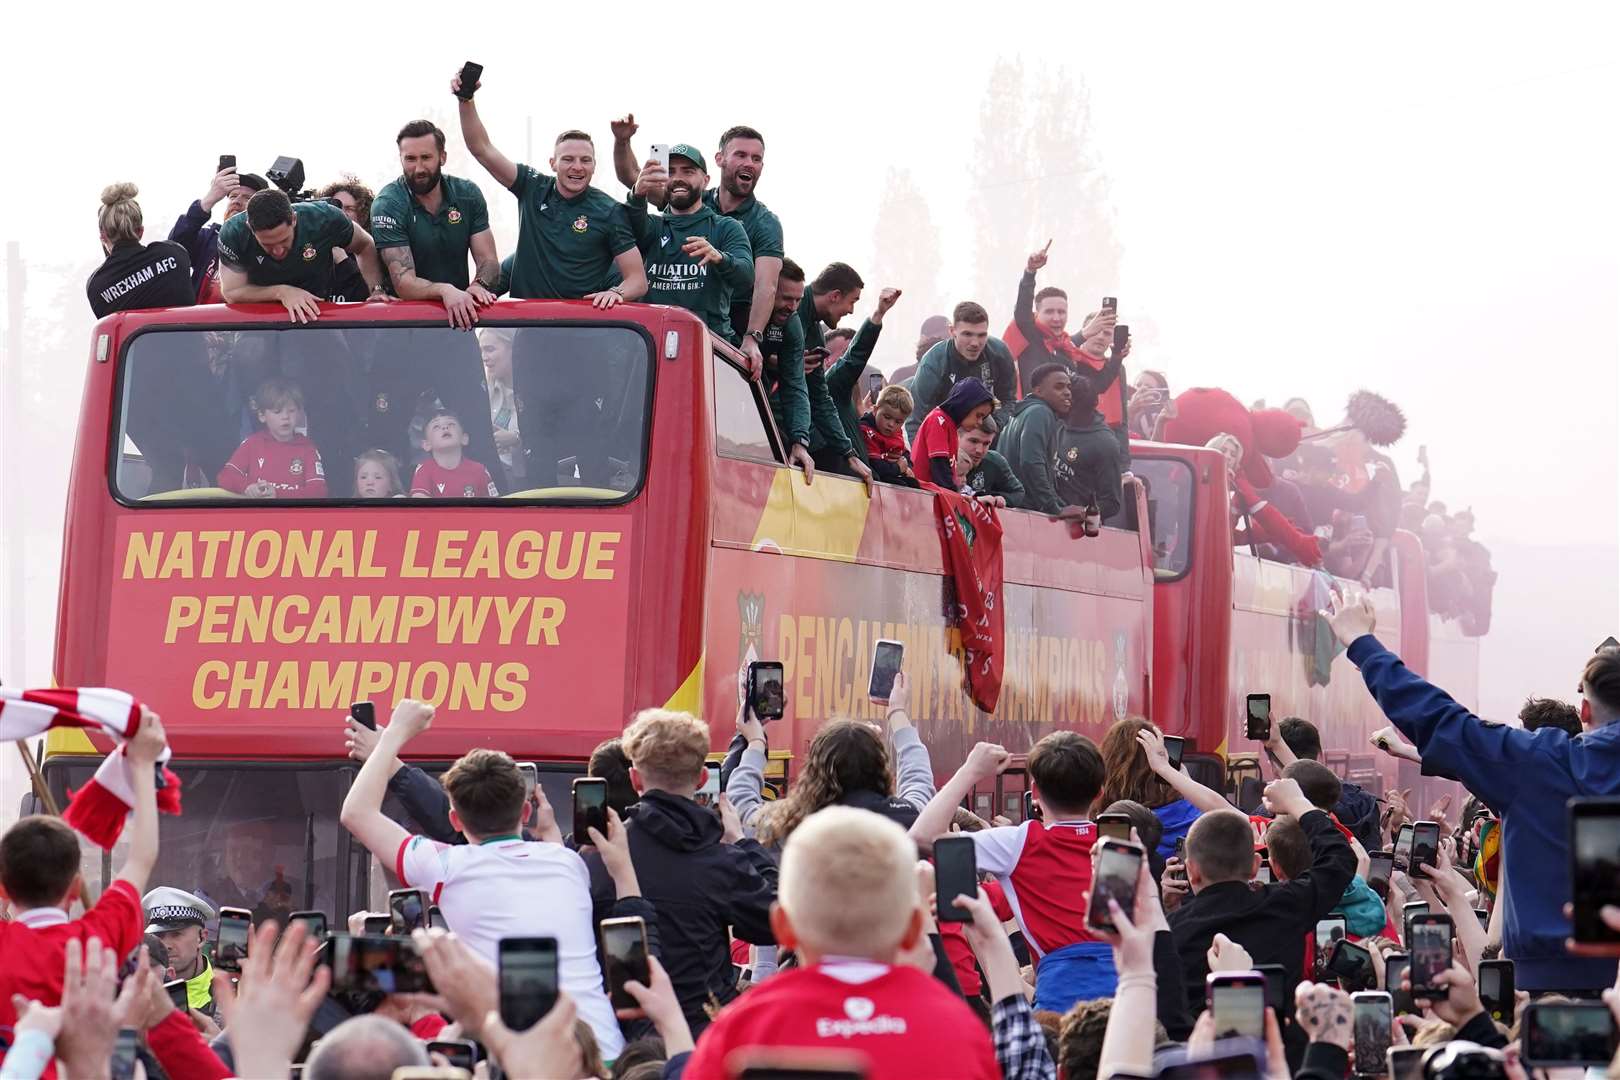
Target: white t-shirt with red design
905, 1023
1045, 870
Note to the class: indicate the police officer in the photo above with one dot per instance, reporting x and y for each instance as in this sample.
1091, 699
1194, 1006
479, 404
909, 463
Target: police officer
180, 920
135, 275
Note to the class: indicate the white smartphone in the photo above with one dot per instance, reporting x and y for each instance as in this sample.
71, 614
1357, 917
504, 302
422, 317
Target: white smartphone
660, 153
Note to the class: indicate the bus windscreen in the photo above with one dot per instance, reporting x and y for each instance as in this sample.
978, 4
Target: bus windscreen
328, 413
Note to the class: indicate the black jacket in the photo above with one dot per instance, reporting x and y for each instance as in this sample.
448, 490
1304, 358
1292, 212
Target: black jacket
136, 276
1358, 812
1271, 922
701, 888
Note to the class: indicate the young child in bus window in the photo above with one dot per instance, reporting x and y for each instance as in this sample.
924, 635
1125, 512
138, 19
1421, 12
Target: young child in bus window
376, 476
448, 473
884, 431
276, 462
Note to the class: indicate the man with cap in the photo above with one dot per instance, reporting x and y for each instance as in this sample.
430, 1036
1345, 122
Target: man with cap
200, 236
696, 258
180, 920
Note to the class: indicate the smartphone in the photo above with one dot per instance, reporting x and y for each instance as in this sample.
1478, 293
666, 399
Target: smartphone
407, 908
1396, 966
1380, 866
1258, 707
122, 1065
1031, 811
1122, 334
1114, 826
1352, 965
1571, 1034
1484, 918
624, 957
470, 74
377, 925
1328, 930
1373, 1025
1425, 844
886, 657
1237, 1000
709, 794
765, 696
1408, 913
176, 990
874, 382
1430, 947
231, 939
528, 980
458, 1053
531, 778
1175, 746
1181, 854
226, 161
1110, 305
1496, 987
956, 873
314, 923
590, 808
436, 918
660, 153
1114, 876
1403, 848
1277, 987
1263, 875
364, 713
1594, 853
1406, 1062
377, 964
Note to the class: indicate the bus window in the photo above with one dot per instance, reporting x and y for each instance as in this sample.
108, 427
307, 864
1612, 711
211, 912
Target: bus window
243, 840
548, 411
1169, 484
739, 423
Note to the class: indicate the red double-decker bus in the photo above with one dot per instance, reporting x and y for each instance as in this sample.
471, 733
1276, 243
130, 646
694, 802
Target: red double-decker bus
644, 543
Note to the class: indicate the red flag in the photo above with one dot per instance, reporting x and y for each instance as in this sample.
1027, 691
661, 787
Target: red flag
970, 536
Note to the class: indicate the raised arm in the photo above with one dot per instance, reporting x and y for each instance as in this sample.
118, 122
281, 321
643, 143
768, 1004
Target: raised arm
142, 753
362, 811
1152, 743
983, 762
624, 158
914, 770
1024, 306
476, 138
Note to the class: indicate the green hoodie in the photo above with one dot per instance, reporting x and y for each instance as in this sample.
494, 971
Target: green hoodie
783, 350
827, 428
994, 476
842, 377
1029, 443
1087, 464
679, 279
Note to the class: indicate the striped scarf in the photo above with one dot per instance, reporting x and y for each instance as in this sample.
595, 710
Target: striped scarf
100, 808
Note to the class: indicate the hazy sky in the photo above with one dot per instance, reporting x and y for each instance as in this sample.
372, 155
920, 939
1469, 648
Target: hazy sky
1418, 199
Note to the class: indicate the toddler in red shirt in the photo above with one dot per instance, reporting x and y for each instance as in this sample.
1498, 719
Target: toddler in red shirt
276, 462
449, 473
883, 430
848, 905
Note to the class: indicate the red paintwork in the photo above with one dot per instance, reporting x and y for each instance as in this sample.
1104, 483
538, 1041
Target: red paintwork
702, 574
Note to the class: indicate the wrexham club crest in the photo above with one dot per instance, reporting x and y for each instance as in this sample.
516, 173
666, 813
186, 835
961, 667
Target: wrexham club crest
751, 626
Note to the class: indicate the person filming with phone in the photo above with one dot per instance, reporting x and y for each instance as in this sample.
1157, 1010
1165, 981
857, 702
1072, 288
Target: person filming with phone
200, 236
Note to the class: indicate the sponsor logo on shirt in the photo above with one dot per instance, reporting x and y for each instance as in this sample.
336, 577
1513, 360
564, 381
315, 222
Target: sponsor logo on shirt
859, 1019
384, 219
297, 466
467, 492
1073, 454
580, 223
309, 252
454, 216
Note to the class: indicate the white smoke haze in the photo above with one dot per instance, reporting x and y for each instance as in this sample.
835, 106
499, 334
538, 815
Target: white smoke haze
1287, 199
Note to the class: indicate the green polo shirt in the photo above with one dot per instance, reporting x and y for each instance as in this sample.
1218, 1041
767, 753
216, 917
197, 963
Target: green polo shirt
674, 277
783, 352
308, 265
439, 242
764, 231
565, 247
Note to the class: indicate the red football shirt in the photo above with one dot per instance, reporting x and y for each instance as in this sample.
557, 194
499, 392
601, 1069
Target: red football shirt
294, 466
468, 480
906, 1023
936, 438
31, 959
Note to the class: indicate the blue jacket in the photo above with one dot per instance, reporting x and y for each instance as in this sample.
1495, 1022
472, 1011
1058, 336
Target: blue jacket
200, 237
1526, 778
1177, 818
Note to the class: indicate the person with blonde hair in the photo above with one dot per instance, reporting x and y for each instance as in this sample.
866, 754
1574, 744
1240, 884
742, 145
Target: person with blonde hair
135, 275
849, 908
706, 881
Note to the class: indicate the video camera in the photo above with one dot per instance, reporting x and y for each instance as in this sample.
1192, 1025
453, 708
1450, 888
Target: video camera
288, 175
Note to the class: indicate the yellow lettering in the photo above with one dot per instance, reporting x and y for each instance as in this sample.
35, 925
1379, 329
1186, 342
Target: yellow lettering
433, 693
263, 553
407, 562
216, 610
328, 622
368, 551
510, 689
600, 552
326, 688
302, 552
142, 554
209, 671
374, 679
288, 605
417, 614
252, 619
284, 688
545, 616
523, 555
804, 687
484, 559
785, 637
508, 611
826, 638
211, 539
371, 619
469, 690
844, 669
178, 563
447, 553
576, 552
457, 621
183, 612
339, 561
250, 686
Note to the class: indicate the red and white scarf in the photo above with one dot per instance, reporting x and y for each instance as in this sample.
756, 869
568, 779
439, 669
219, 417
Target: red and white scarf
99, 809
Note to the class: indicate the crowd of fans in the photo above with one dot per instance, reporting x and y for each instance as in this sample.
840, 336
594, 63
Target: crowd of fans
809, 930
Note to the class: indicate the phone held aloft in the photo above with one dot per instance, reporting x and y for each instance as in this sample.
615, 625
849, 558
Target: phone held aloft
1114, 877
590, 809
886, 659
956, 873
766, 699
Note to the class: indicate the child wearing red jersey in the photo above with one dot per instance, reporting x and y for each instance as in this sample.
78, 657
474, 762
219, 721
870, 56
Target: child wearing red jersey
848, 905
39, 874
276, 462
883, 430
449, 473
